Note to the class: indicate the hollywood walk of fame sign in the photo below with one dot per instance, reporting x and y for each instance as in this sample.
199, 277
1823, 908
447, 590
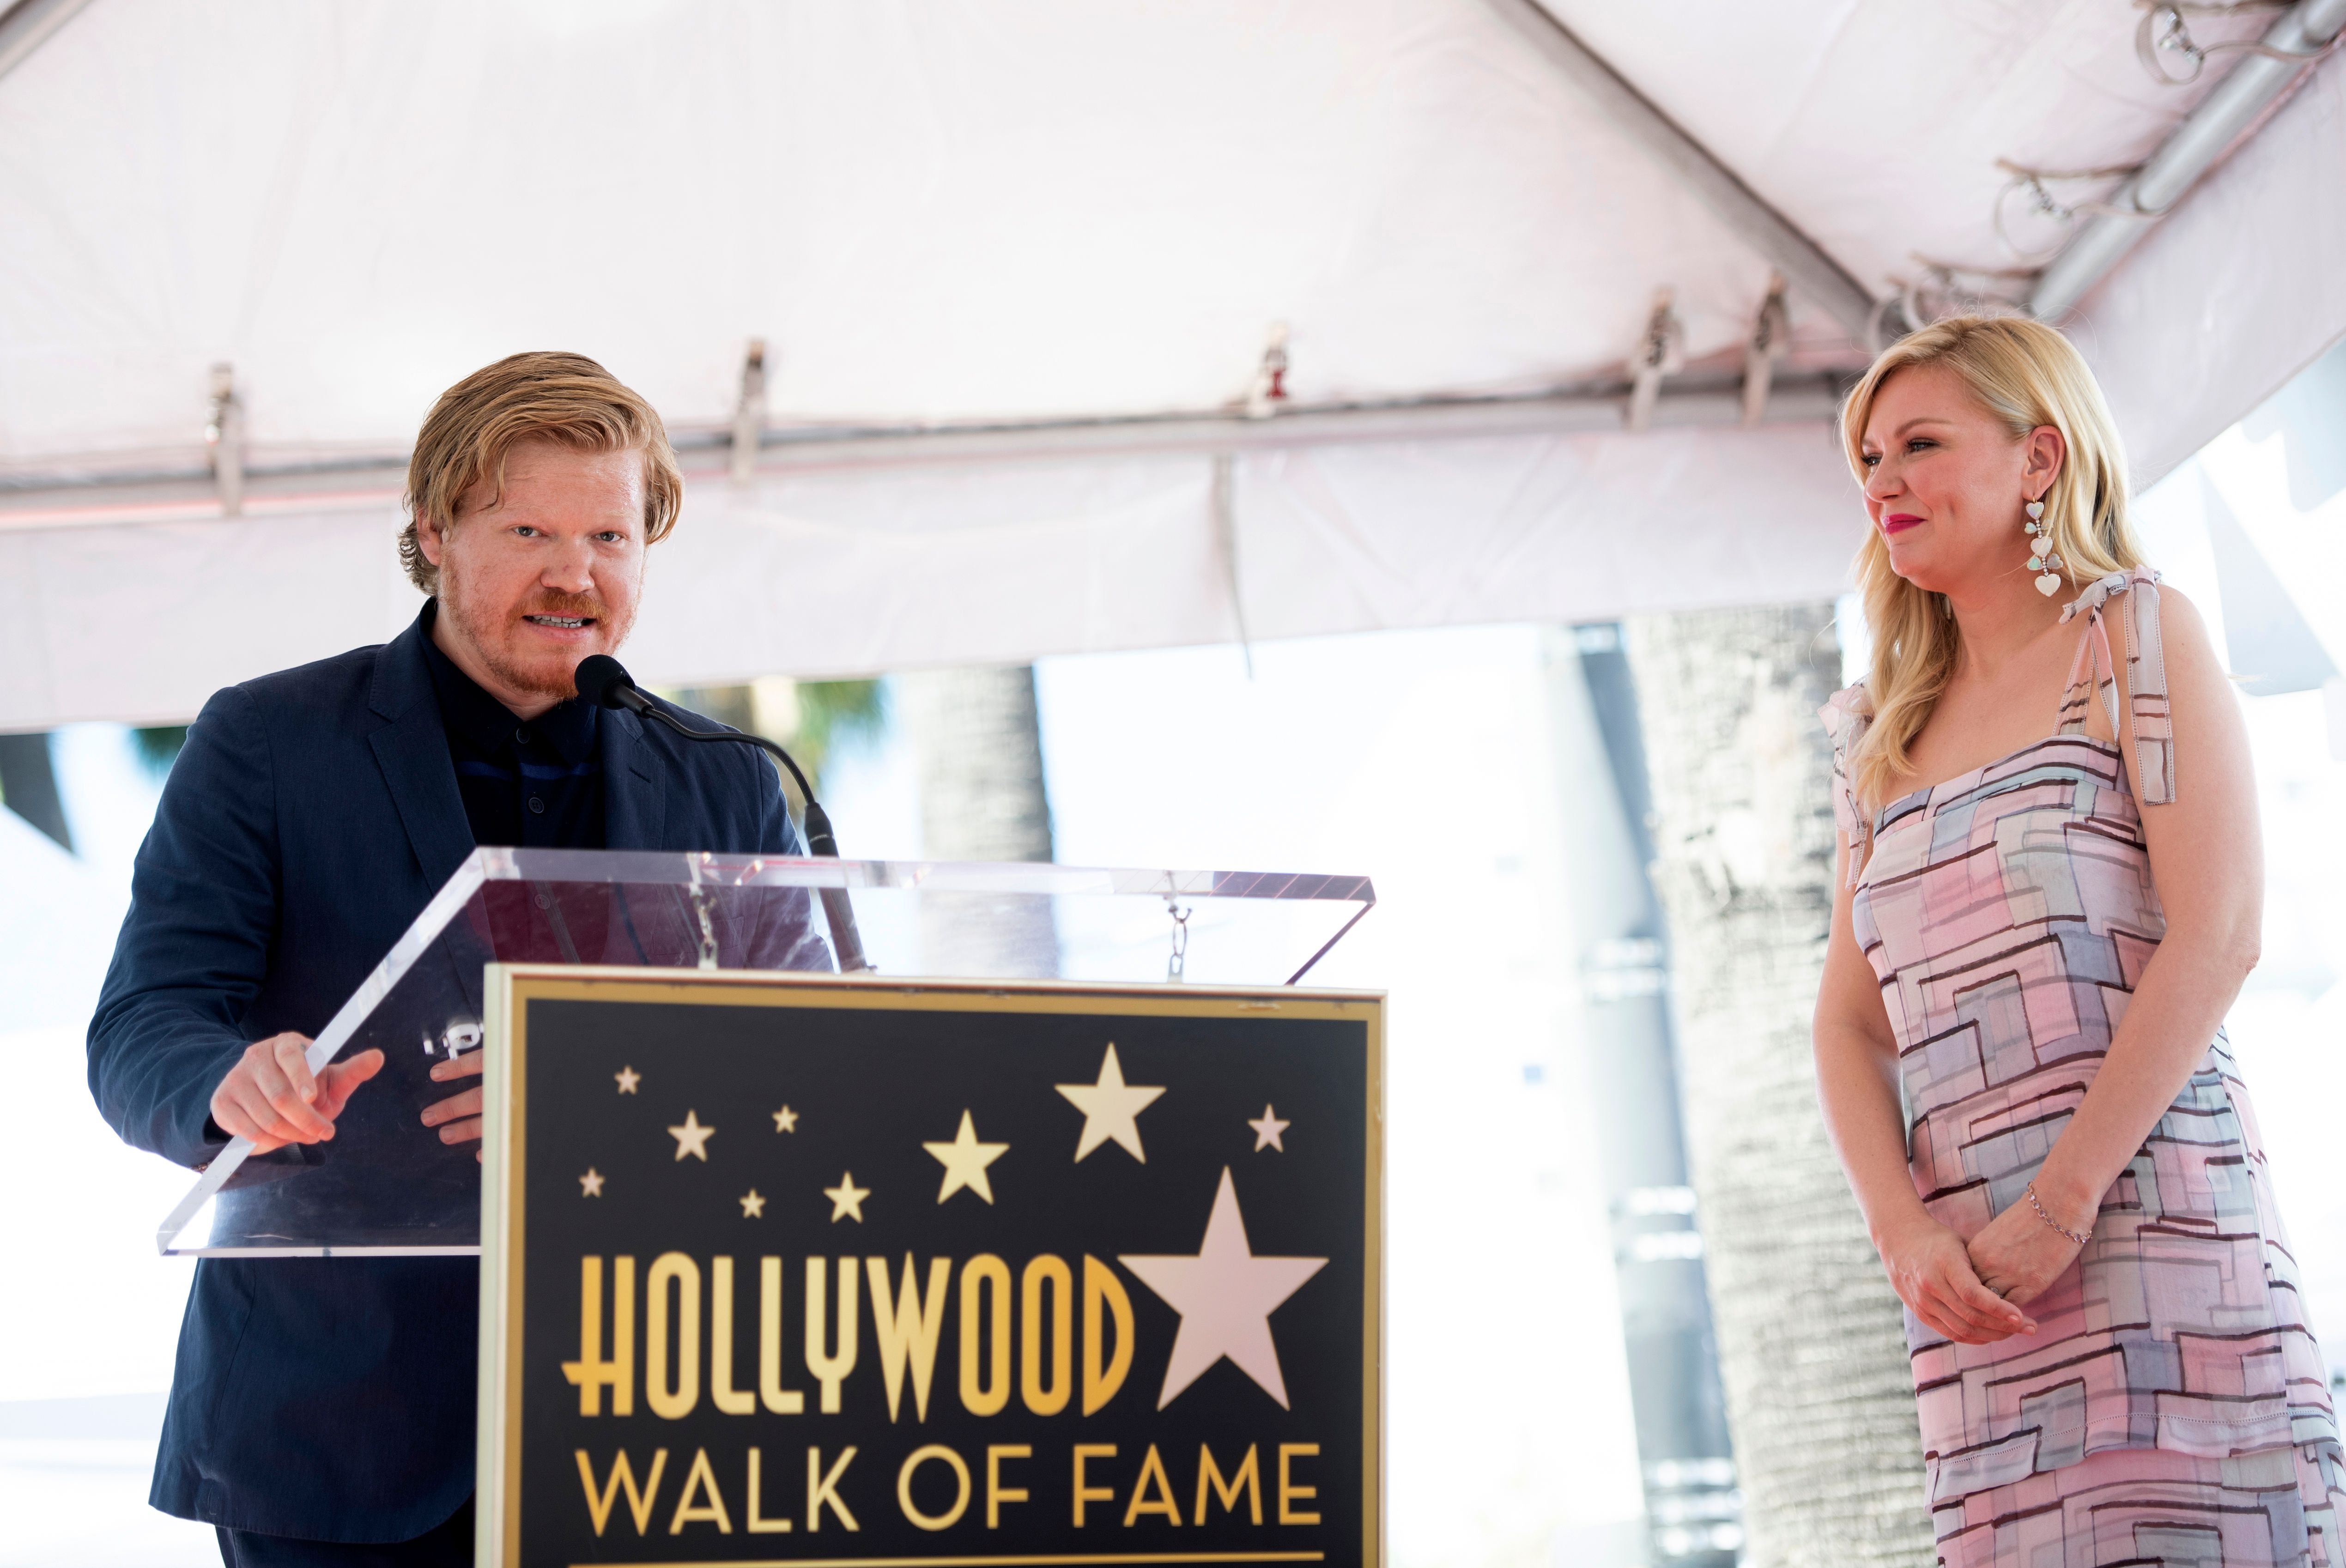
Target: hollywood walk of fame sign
789, 1268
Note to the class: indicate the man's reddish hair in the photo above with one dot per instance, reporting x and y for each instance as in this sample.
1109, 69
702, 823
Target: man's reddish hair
565, 399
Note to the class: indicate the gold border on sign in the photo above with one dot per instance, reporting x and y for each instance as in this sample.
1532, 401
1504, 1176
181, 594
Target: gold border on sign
1047, 1560
509, 988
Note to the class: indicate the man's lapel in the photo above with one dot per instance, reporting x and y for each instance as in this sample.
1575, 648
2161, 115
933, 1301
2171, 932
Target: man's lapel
412, 752
634, 786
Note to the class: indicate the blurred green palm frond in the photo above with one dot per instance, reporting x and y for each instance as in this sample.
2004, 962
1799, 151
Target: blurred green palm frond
834, 712
158, 746
813, 719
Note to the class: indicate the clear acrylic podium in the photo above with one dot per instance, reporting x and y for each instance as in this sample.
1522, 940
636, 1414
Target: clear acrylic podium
386, 1184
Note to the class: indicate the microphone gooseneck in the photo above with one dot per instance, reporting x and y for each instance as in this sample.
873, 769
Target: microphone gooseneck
603, 682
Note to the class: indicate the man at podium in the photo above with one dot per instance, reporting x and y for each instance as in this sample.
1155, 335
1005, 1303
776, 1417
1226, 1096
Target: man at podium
322, 1409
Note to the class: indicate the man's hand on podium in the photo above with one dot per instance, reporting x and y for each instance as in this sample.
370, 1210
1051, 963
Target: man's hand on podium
458, 1117
271, 1096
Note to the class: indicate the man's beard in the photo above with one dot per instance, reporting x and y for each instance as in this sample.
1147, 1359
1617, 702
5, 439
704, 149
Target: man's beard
488, 631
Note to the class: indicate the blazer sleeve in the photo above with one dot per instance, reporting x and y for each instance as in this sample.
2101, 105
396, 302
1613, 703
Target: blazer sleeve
194, 948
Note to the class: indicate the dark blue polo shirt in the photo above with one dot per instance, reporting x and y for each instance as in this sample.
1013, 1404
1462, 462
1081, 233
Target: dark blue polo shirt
534, 784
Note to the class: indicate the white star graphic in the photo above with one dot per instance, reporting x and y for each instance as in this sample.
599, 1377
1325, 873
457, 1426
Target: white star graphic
846, 1199
1109, 1107
786, 1120
692, 1139
591, 1184
1225, 1296
629, 1078
966, 1160
753, 1207
1267, 1132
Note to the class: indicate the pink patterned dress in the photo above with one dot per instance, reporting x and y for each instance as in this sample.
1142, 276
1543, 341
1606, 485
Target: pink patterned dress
2172, 1408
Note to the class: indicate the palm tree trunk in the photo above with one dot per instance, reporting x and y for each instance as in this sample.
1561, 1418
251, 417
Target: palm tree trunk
1819, 1397
977, 743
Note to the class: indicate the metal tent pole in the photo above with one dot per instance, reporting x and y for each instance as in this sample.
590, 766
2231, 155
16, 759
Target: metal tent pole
2292, 41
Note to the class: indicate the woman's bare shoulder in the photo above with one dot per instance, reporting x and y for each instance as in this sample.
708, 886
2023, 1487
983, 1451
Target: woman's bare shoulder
2182, 631
2180, 622
2195, 672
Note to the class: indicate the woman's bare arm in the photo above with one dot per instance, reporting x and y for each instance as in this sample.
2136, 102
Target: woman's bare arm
2206, 857
1857, 1083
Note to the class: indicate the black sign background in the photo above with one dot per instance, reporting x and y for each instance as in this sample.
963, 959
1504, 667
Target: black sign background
872, 1075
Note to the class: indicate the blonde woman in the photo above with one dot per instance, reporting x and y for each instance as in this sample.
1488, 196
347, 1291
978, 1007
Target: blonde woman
2051, 895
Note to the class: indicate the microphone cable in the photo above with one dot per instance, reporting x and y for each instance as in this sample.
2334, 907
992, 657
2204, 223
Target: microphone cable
603, 682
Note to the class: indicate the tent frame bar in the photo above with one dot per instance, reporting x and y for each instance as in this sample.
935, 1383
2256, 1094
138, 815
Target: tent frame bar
176, 489
28, 24
1802, 261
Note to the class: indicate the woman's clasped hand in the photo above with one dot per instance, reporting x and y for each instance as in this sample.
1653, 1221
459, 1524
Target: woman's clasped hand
1938, 1278
2017, 1255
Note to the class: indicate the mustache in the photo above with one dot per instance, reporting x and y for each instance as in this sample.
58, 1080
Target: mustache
577, 607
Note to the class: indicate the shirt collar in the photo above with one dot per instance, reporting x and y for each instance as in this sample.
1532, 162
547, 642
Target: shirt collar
487, 725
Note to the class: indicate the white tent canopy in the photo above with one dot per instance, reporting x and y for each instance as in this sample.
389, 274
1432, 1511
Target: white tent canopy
1041, 211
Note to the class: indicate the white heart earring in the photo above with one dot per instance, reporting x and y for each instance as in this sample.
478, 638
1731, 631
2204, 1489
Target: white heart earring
2041, 557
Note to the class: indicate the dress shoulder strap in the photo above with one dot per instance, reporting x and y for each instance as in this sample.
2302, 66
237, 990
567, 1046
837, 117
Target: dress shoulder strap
2149, 722
1846, 715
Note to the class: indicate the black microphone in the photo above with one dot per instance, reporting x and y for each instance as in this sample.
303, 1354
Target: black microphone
603, 682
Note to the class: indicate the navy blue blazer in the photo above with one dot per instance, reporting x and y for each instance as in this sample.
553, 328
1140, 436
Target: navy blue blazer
311, 815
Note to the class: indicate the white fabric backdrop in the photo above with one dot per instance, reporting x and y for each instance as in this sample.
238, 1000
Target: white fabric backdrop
1036, 206
932, 210
856, 574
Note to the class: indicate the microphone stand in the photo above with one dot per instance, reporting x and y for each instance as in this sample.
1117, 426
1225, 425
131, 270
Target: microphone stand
837, 911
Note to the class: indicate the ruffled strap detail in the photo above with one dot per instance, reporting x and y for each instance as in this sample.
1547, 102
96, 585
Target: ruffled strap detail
1846, 714
2150, 723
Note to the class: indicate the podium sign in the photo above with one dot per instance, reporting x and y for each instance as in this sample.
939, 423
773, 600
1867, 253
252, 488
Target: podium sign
785, 1268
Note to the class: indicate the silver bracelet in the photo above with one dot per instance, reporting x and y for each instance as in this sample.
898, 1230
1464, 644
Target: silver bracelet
2080, 1237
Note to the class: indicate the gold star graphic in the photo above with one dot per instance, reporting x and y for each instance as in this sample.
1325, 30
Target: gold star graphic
1109, 1107
753, 1207
966, 1160
691, 1138
591, 1184
629, 1078
1267, 1131
846, 1198
786, 1120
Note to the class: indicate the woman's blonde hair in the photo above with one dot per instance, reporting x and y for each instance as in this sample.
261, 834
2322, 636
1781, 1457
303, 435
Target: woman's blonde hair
565, 399
2025, 374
